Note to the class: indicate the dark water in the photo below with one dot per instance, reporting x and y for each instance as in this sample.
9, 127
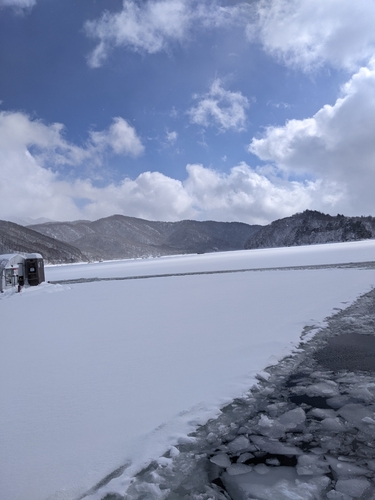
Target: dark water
349, 351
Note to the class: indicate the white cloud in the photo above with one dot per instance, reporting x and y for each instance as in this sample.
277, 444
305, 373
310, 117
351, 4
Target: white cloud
334, 150
154, 25
19, 133
151, 195
240, 195
221, 108
30, 149
121, 137
171, 137
18, 4
308, 33
249, 196
31, 156
336, 144
303, 33
26, 187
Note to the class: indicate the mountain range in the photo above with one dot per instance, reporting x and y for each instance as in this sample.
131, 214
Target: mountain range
121, 237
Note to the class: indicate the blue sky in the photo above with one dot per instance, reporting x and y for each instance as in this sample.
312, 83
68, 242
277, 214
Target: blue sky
175, 109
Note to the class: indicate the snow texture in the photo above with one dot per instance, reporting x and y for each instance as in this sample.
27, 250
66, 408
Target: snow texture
331, 466
98, 379
313, 255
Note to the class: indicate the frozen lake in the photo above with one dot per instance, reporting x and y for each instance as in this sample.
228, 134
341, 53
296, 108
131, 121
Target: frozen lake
106, 373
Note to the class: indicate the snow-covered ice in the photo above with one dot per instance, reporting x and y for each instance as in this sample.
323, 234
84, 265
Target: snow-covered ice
328, 254
102, 375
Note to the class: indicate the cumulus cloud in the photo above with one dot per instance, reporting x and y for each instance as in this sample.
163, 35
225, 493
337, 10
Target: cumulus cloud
337, 143
32, 153
27, 188
155, 25
334, 150
221, 108
249, 196
48, 145
121, 137
20, 133
299, 33
310, 33
240, 195
152, 195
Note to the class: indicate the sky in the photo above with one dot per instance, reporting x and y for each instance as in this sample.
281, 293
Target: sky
183, 109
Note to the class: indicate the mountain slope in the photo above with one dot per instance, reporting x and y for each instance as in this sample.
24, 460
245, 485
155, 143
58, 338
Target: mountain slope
15, 238
312, 227
119, 236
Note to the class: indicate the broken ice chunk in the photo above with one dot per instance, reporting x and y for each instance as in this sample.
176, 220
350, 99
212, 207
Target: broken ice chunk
237, 469
368, 420
317, 451
266, 391
262, 469
275, 407
339, 401
244, 457
335, 495
240, 443
322, 413
333, 425
355, 413
263, 376
310, 465
354, 487
345, 468
327, 388
332, 443
280, 483
292, 419
211, 438
164, 461
222, 460
271, 428
361, 393
243, 430
272, 461
174, 452
274, 447
265, 421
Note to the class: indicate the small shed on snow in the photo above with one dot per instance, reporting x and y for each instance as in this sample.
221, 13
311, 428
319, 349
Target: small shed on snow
21, 269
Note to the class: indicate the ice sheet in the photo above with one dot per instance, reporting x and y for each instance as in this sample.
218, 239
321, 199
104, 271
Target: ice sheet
330, 253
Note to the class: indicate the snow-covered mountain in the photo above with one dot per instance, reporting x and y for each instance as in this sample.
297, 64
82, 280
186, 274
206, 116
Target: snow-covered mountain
16, 238
119, 236
312, 227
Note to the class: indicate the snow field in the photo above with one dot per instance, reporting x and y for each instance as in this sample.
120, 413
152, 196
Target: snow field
331, 253
97, 375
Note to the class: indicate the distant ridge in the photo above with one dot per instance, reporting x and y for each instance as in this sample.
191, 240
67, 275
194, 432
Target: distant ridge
18, 239
122, 237
312, 227
119, 236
